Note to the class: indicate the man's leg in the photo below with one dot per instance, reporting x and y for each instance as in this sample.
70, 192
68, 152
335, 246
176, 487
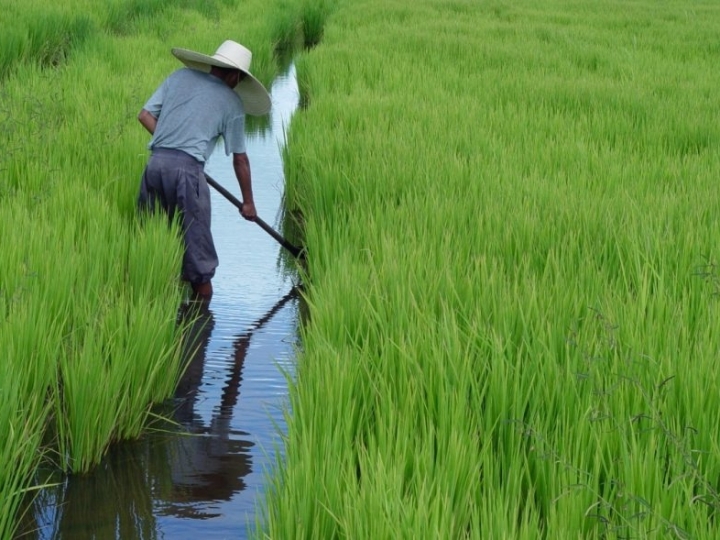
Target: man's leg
151, 194
177, 182
200, 258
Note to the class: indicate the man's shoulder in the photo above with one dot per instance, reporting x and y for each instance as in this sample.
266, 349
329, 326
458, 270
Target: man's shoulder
200, 78
187, 73
200, 83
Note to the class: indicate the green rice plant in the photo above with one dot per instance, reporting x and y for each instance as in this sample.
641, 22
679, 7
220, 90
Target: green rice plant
313, 17
12, 46
511, 233
128, 17
129, 341
22, 421
123, 15
109, 350
285, 29
51, 38
133, 378
29, 374
43, 36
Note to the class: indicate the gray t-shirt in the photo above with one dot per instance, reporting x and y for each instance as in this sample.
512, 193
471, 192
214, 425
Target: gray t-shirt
193, 109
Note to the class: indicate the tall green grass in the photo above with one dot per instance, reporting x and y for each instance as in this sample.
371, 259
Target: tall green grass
35, 32
44, 36
511, 214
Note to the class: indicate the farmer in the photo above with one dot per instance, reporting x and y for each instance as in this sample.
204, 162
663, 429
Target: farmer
186, 115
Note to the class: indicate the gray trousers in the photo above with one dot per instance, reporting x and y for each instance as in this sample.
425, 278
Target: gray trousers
175, 182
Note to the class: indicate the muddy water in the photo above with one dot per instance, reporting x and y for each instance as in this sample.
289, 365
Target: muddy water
203, 477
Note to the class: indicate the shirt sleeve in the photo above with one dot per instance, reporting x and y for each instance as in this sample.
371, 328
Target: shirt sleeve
154, 104
234, 135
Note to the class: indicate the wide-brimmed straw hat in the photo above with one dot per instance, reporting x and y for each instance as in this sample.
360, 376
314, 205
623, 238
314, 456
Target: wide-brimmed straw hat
231, 55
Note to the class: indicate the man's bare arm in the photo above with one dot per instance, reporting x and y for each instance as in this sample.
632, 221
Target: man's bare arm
241, 165
147, 120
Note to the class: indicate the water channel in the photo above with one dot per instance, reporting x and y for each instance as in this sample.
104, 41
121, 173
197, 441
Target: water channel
205, 478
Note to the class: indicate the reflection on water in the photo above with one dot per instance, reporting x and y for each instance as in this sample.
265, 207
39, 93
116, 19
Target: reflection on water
199, 476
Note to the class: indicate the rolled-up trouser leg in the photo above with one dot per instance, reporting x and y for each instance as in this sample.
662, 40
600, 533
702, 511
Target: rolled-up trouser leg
177, 182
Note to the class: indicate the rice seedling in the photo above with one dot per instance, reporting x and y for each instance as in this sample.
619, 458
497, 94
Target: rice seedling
29, 375
45, 37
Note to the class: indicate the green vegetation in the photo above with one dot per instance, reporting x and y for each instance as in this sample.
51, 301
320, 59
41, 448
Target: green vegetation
511, 213
512, 281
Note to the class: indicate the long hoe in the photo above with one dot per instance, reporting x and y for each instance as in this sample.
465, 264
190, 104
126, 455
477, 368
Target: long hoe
296, 251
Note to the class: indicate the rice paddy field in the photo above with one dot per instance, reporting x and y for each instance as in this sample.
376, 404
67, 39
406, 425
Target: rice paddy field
512, 219
512, 278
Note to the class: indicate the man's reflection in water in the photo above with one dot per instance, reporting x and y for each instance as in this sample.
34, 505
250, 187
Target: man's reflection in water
210, 463
162, 474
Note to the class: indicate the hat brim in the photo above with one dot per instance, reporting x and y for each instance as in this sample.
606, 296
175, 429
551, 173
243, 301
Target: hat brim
256, 99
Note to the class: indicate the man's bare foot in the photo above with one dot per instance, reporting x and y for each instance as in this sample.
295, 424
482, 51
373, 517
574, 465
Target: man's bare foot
202, 292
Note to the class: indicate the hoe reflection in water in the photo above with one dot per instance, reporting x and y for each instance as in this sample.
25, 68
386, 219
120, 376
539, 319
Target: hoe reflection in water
200, 476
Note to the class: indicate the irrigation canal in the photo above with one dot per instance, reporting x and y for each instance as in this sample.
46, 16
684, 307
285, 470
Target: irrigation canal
205, 479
